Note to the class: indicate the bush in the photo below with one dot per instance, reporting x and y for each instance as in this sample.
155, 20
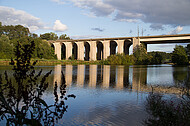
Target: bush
119, 59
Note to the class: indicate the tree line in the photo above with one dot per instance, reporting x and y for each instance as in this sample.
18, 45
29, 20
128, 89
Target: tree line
180, 56
10, 35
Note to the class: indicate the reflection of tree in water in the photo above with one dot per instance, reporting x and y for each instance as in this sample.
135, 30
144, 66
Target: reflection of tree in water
181, 78
112, 77
21, 98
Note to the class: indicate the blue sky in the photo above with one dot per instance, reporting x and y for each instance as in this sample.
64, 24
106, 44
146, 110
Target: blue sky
100, 18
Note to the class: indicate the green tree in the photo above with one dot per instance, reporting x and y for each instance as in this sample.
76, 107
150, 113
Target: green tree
188, 51
43, 49
49, 36
33, 35
141, 56
157, 57
179, 55
6, 48
14, 32
64, 37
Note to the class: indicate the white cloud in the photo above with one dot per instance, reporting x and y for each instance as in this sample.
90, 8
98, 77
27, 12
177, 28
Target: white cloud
59, 27
176, 31
33, 28
162, 12
11, 16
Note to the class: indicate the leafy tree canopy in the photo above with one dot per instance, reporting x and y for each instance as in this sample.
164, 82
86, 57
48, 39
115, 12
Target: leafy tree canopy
179, 55
49, 36
14, 32
64, 37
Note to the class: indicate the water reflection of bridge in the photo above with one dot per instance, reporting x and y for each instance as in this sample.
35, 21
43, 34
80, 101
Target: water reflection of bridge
105, 77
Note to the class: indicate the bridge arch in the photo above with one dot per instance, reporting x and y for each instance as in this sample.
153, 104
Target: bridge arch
53, 46
63, 51
126, 46
99, 50
113, 46
87, 51
75, 51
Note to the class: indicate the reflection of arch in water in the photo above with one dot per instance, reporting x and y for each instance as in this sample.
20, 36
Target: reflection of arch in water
99, 75
113, 46
74, 75
112, 76
63, 51
75, 51
126, 83
86, 76
87, 51
99, 50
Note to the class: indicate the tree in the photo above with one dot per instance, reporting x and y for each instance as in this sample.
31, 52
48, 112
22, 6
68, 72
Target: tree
179, 55
188, 51
141, 56
6, 48
14, 32
157, 57
33, 35
43, 49
49, 36
64, 37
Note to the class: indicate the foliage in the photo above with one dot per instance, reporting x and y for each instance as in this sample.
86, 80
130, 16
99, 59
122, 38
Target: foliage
159, 57
188, 51
9, 35
14, 32
43, 50
179, 55
49, 36
20, 98
167, 112
141, 56
64, 37
119, 59
6, 48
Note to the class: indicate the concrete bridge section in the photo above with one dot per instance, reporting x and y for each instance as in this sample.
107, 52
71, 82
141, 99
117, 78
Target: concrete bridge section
101, 48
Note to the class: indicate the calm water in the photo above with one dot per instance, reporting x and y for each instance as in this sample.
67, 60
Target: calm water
111, 95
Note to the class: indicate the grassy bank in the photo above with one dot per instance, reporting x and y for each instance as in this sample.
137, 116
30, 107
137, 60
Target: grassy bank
41, 62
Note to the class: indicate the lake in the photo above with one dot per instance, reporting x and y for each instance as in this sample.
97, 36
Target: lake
111, 95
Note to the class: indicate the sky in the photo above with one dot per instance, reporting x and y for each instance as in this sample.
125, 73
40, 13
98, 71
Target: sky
83, 19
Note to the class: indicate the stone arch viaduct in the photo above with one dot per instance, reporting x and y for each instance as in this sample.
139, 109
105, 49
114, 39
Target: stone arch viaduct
101, 48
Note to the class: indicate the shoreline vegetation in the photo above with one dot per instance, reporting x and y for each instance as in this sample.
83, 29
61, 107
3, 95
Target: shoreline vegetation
47, 62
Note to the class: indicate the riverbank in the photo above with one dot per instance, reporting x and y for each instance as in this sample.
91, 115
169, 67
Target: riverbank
46, 62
